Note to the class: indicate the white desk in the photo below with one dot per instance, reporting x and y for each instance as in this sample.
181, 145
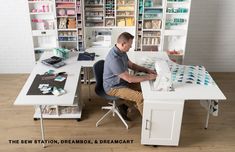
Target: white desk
162, 114
72, 68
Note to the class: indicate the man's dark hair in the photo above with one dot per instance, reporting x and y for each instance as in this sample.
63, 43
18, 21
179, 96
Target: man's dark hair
124, 37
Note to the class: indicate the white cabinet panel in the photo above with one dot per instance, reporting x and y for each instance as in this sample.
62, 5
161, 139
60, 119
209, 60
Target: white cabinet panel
162, 122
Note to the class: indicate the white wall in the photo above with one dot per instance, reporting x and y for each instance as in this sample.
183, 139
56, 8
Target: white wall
211, 35
16, 47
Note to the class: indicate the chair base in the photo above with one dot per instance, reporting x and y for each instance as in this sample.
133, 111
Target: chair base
112, 109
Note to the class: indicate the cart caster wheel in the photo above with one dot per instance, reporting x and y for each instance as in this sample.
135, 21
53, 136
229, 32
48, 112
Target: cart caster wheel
35, 119
79, 119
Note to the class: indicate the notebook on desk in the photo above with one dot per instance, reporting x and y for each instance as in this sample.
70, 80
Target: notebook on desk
54, 61
86, 56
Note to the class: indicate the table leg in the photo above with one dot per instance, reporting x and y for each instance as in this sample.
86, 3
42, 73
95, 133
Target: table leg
89, 84
85, 75
208, 114
42, 127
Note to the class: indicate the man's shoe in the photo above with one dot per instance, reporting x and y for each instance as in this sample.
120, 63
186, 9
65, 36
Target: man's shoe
123, 111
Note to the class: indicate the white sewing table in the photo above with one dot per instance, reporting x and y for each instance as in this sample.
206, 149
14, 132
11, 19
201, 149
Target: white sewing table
162, 114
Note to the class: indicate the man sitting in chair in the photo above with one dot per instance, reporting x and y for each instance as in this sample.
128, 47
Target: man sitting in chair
116, 79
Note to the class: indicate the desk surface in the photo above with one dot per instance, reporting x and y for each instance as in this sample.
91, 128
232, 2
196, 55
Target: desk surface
183, 91
72, 68
100, 52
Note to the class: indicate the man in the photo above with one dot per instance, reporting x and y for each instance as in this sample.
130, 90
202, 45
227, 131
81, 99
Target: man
117, 80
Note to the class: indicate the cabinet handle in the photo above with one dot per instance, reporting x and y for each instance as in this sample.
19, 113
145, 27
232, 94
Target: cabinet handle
146, 124
43, 32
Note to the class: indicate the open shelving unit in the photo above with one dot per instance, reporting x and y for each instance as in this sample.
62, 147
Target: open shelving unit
109, 18
94, 12
109, 13
43, 25
162, 25
80, 26
67, 23
62, 111
56, 23
176, 28
150, 25
125, 13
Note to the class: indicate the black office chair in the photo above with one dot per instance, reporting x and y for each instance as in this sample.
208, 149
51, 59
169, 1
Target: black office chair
98, 70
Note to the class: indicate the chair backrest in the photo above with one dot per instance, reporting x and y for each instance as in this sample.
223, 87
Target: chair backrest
98, 70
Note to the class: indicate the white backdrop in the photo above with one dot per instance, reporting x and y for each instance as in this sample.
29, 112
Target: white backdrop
211, 35
16, 47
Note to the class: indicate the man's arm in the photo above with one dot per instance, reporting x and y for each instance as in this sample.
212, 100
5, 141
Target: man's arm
139, 68
135, 79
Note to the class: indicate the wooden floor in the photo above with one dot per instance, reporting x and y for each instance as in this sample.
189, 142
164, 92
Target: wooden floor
16, 123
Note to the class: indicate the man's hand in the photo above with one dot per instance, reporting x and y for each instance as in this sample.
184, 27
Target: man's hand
151, 76
134, 79
149, 71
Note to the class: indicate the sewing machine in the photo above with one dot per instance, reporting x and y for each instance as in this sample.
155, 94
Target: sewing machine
100, 37
163, 81
102, 40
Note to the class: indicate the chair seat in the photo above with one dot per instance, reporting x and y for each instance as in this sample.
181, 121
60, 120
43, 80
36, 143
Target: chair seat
101, 93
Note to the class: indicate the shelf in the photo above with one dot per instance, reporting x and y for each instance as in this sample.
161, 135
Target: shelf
44, 48
94, 5
94, 11
156, 7
67, 29
64, 2
176, 13
68, 36
72, 16
43, 32
124, 10
39, 2
175, 32
68, 41
183, 2
95, 21
125, 4
150, 36
60, 115
66, 7
156, 18
125, 16
152, 29
41, 13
